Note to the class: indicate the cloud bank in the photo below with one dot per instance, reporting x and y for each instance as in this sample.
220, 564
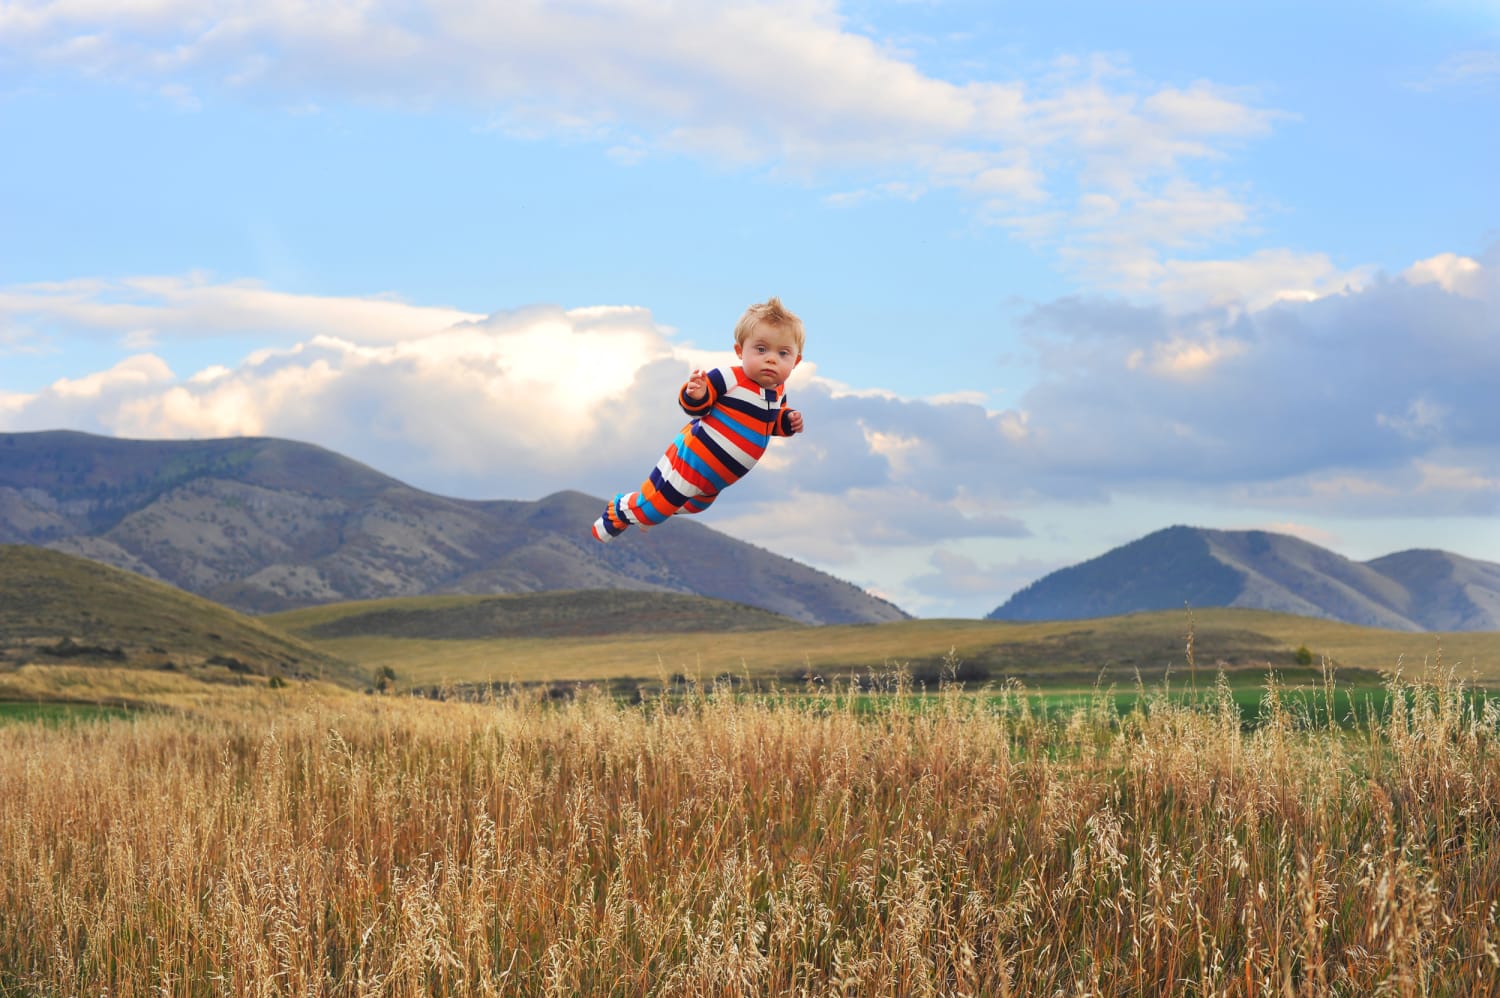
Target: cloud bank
1375, 401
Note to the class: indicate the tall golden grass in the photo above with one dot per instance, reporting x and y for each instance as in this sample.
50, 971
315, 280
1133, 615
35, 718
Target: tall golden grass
728, 844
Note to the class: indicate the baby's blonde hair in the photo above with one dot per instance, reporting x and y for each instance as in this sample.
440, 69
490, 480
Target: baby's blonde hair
771, 313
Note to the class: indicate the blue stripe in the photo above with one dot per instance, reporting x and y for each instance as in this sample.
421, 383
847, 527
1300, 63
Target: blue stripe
729, 427
686, 456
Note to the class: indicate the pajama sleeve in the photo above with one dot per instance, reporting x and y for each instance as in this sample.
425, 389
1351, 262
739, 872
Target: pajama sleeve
715, 389
783, 427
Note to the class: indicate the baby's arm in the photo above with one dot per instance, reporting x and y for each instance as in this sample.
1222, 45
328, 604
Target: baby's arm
697, 395
788, 423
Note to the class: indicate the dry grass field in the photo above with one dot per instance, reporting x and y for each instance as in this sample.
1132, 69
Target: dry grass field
727, 844
1075, 654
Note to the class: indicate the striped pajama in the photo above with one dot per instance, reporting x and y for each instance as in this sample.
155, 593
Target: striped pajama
732, 425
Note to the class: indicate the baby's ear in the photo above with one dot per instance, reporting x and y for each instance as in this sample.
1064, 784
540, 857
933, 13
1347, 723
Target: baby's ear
739, 350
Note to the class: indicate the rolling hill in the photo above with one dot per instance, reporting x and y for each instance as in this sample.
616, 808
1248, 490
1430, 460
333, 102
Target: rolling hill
60, 609
542, 639
262, 525
557, 614
1254, 569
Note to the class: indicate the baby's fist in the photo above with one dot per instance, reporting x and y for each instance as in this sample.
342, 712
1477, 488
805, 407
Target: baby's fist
794, 421
697, 385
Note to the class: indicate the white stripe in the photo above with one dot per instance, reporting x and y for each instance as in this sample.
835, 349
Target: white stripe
730, 447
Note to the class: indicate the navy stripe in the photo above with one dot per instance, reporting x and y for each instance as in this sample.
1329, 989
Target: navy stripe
709, 444
667, 489
755, 410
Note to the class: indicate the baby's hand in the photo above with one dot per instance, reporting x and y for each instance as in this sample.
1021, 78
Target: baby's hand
795, 421
697, 385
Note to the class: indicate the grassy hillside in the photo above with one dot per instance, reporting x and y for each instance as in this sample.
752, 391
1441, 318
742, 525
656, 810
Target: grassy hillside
566, 614
1054, 654
64, 614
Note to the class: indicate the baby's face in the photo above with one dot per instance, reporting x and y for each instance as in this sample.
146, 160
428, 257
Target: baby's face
768, 355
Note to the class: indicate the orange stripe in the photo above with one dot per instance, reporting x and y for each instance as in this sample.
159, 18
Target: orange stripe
729, 476
733, 433
743, 419
661, 503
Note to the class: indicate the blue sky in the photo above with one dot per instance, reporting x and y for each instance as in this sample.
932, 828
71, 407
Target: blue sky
1070, 272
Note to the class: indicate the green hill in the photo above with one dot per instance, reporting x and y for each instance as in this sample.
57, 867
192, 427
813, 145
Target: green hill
566, 614
550, 638
57, 609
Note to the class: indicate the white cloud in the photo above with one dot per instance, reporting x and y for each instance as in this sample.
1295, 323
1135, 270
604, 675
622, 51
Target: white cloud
1261, 279
12, 403
1376, 401
1328, 401
135, 373
787, 86
514, 405
142, 310
1185, 358
1449, 271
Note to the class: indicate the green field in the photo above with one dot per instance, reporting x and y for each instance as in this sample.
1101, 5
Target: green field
59, 713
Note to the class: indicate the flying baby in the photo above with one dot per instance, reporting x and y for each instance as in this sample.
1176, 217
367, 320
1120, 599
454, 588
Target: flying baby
736, 411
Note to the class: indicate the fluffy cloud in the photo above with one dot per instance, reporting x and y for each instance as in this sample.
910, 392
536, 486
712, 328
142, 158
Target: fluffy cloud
517, 404
1367, 382
1084, 156
1376, 400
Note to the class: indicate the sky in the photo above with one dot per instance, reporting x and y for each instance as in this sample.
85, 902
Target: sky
1070, 272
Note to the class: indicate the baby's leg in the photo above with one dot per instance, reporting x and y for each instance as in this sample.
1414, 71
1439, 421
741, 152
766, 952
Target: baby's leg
645, 508
673, 486
699, 503
611, 524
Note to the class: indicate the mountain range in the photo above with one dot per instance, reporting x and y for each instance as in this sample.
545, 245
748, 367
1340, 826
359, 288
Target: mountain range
262, 524
1418, 590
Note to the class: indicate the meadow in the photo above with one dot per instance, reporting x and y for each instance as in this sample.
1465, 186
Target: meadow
427, 648
818, 842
